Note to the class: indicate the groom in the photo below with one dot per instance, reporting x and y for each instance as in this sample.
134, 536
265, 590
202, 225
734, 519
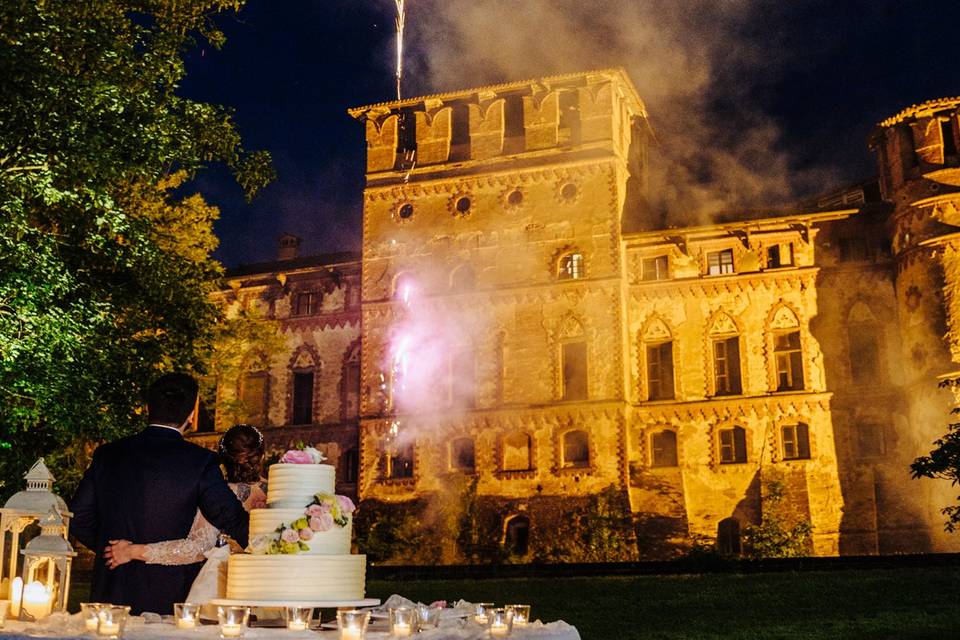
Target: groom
148, 487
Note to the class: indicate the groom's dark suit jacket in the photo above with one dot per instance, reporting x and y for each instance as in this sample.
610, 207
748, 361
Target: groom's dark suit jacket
147, 488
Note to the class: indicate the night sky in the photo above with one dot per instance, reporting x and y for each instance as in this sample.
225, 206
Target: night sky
818, 73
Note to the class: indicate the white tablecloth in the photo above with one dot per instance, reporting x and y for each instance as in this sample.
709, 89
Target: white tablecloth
62, 626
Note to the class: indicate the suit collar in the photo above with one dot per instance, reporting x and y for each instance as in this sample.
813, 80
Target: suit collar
162, 431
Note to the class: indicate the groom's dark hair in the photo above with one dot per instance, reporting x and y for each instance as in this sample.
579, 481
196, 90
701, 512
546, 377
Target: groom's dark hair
171, 398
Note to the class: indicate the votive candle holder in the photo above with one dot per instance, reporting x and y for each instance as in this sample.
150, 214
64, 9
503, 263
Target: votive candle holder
233, 621
500, 623
428, 617
352, 624
403, 622
111, 620
298, 618
521, 614
480, 612
90, 611
186, 615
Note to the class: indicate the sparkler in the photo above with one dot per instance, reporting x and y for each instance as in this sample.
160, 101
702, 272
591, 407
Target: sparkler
401, 17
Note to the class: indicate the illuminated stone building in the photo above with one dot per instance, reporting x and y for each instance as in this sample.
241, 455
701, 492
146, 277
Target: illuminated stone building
676, 372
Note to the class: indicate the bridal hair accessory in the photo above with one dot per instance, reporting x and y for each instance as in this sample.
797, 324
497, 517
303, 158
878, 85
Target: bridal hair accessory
242, 424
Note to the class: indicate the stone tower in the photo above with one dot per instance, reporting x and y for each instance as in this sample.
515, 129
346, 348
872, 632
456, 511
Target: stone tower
920, 175
493, 313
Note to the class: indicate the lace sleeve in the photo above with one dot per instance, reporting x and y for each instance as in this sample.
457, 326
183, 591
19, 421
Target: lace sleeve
202, 537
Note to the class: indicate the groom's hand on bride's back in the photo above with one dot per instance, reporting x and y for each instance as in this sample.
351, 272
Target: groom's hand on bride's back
120, 552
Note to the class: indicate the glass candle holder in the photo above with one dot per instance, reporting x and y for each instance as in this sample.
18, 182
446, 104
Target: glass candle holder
298, 618
111, 619
89, 611
521, 614
480, 614
403, 622
233, 620
501, 622
352, 624
428, 617
4, 608
186, 615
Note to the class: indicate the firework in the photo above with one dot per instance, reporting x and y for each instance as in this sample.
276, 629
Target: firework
401, 17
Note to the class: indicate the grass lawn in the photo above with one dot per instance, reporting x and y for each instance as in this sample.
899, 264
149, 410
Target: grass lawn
906, 604
870, 604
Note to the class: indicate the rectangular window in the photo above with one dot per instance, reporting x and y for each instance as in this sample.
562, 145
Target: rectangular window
660, 371
303, 397
733, 446
463, 377
789, 361
254, 397
726, 366
664, 449
796, 441
870, 440
949, 140
720, 262
780, 255
574, 367
864, 353
655, 268
351, 390
400, 463
306, 303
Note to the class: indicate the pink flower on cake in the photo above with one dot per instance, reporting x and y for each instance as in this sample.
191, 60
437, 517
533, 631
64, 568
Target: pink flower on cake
296, 457
346, 504
322, 522
290, 535
306, 534
314, 510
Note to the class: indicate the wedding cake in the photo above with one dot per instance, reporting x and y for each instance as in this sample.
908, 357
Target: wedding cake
300, 544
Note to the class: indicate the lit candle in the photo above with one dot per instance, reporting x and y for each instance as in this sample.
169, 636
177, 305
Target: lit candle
297, 625
90, 624
401, 629
480, 618
16, 593
36, 602
108, 628
499, 629
186, 622
228, 630
351, 633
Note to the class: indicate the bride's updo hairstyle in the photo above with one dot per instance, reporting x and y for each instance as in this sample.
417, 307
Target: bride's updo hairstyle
241, 453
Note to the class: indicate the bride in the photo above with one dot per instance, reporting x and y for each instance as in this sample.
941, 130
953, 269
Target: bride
241, 454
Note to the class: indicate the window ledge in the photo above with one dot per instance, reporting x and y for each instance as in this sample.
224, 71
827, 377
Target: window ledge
399, 482
586, 470
516, 474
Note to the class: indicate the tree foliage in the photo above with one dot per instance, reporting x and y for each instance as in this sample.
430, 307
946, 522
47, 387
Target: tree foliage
104, 263
943, 462
776, 536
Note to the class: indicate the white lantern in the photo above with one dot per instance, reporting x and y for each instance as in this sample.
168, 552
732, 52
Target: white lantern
22, 510
46, 570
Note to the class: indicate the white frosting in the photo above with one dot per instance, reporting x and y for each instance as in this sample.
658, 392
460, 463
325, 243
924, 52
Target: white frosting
294, 485
296, 577
334, 541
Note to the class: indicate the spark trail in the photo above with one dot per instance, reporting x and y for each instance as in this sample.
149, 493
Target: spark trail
401, 18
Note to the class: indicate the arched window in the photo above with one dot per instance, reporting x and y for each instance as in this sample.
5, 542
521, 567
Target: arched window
658, 350
663, 449
463, 279
728, 537
733, 445
576, 449
350, 384
570, 266
254, 391
517, 535
517, 452
725, 343
795, 439
787, 350
350, 466
864, 345
462, 382
462, 457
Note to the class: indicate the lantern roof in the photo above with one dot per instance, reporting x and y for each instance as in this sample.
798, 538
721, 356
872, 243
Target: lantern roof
51, 541
37, 498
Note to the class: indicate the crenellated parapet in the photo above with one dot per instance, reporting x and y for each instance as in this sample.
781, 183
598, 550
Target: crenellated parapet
563, 113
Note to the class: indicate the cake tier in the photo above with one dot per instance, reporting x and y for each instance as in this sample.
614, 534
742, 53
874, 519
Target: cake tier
334, 541
296, 577
294, 485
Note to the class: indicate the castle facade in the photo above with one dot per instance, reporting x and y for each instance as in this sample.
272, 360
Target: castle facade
518, 363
